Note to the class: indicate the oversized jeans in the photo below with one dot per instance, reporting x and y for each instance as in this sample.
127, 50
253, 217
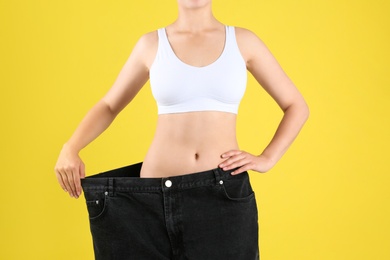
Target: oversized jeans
209, 215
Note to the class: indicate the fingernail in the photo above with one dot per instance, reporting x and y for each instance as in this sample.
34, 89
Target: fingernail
221, 165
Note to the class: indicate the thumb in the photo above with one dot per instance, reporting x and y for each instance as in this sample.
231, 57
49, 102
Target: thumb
82, 171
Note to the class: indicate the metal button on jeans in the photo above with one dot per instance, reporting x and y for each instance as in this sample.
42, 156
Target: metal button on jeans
168, 183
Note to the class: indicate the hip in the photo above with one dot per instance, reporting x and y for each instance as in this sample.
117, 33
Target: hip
128, 180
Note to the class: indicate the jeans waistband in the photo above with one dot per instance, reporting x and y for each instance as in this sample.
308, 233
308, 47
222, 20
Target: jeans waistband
128, 179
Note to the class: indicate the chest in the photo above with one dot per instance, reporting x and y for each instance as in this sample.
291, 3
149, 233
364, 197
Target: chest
197, 50
201, 79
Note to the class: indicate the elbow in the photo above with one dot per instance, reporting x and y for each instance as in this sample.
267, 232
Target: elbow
112, 111
300, 109
305, 111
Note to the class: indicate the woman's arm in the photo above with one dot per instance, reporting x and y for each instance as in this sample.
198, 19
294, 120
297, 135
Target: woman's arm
267, 71
70, 168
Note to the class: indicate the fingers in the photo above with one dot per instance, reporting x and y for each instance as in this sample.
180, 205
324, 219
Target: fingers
82, 171
69, 180
237, 159
61, 181
65, 181
231, 153
77, 181
242, 169
234, 159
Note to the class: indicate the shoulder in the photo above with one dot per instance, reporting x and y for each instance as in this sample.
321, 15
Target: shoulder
249, 43
247, 37
148, 40
244, 33
146, 47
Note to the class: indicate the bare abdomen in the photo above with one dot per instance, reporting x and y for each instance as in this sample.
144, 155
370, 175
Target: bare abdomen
189, 142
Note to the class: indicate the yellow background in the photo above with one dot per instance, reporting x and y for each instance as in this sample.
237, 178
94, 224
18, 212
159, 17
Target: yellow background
328, 197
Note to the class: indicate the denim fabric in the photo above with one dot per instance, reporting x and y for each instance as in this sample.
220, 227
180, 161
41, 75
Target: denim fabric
209, 215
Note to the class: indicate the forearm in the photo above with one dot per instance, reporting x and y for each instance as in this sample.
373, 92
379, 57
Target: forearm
292, 122
93, 124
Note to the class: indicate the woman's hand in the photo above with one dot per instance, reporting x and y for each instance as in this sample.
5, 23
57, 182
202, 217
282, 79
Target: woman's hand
69, 169
245, 161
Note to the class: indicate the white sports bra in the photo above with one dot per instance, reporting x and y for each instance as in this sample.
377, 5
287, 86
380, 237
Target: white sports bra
179, 87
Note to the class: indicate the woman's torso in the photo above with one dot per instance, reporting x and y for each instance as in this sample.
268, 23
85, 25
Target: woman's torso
192, 141
189, 142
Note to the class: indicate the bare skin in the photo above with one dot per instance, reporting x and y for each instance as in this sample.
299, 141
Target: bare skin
195, 141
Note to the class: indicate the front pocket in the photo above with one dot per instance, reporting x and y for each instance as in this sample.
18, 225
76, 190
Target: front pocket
96, 203
237, 188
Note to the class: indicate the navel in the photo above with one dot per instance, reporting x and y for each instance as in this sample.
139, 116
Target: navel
196, 156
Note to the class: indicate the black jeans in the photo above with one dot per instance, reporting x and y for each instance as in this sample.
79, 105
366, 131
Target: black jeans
209, 215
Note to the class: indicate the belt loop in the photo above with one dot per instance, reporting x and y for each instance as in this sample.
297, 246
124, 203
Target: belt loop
217, 175
111, 187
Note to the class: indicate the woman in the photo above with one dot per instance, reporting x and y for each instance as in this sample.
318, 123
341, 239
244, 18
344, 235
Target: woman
191, 197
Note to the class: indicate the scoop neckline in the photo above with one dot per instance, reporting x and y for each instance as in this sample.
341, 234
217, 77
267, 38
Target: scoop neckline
192, 66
